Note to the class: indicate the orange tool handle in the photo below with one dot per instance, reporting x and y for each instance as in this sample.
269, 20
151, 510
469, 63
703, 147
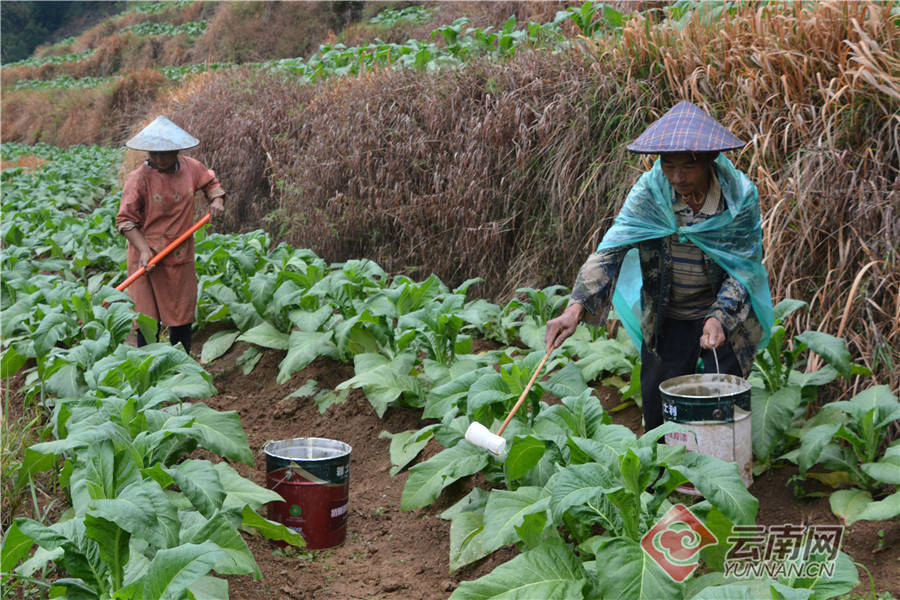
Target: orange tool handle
164, 253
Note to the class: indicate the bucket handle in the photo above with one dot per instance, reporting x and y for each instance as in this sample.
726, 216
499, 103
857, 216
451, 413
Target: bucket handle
721, 414
718, 413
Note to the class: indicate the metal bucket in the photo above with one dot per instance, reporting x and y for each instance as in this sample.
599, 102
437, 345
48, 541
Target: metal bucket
716, 407
313, 477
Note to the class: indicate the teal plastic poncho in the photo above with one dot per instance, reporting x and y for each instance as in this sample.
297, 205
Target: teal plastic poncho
733, 239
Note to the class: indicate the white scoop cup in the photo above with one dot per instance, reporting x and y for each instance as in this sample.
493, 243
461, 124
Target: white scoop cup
482, 437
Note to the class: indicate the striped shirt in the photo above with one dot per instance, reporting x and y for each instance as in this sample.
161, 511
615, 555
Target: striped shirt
691, 291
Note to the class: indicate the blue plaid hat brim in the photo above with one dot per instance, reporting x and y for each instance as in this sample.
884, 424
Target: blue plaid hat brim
685, 128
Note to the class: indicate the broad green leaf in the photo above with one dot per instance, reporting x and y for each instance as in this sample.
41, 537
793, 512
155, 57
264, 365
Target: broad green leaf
812, 444
406, 445
848, 504
39, 561
506, 510
310, 321
629, 573
249, 359
524, 453
325, 399
823, 376
11, 362
549, 571
16, 545
384, 380
303, 348
72, 588
832, 349
721, 484
587, 412
566, 382
825, 585
209, 588
266, 335
218, 344
240, 491
427, 479
579, 485
465, 539
771, 416
608, 442
602, 356
199, 482
172, 570
877, 396
270, 529
148, 325
749, 590
219, 432
887, 469
113, 544
236, 556
881, 510
133, 511
786, 307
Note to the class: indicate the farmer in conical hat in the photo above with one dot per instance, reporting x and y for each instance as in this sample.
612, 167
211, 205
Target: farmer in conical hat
157, 206
682, 264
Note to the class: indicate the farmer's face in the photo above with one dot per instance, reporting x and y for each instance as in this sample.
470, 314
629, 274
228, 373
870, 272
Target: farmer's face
688, 173
163, 161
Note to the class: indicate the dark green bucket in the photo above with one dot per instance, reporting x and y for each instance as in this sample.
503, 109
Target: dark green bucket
704, 397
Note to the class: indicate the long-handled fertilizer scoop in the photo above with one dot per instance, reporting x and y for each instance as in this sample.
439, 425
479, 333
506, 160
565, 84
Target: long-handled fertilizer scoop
482, 437
162, 254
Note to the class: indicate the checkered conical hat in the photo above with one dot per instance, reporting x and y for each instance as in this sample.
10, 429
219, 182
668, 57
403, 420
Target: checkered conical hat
685, 128
162, 135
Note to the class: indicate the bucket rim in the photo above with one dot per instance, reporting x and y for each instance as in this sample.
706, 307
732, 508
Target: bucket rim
742, 386
273, 447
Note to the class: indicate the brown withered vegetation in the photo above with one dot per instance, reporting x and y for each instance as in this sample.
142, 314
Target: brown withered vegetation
63, 117
513, 170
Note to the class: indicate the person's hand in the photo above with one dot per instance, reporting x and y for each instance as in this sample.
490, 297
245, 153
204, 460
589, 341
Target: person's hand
713, 335
216, 208
562, 327
145, 256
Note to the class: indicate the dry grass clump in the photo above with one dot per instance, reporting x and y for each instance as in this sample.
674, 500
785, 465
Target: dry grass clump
512, 171
816, 91
461, 172
253, 31
63, 117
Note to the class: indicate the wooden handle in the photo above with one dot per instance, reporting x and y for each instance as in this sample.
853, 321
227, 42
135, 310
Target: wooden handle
527, 389
163, 253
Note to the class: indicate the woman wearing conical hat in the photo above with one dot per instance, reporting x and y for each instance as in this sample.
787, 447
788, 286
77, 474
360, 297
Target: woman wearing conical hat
682, 263
157, 206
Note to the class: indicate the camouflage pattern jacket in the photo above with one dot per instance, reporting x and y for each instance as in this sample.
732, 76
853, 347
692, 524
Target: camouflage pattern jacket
597, 278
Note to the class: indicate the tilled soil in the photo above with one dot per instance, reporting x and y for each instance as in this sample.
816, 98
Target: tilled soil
391, 554
394, 554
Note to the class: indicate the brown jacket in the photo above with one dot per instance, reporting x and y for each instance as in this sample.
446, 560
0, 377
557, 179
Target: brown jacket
161, 205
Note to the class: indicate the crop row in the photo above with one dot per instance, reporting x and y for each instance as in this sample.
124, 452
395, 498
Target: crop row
569, 474
461, 43
190, 29
145, 521
52, 60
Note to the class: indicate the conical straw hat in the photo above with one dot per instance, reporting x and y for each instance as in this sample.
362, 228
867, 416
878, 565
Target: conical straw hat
685, 128
162, 135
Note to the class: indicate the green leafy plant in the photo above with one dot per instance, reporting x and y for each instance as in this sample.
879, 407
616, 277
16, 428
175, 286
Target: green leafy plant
781, 390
